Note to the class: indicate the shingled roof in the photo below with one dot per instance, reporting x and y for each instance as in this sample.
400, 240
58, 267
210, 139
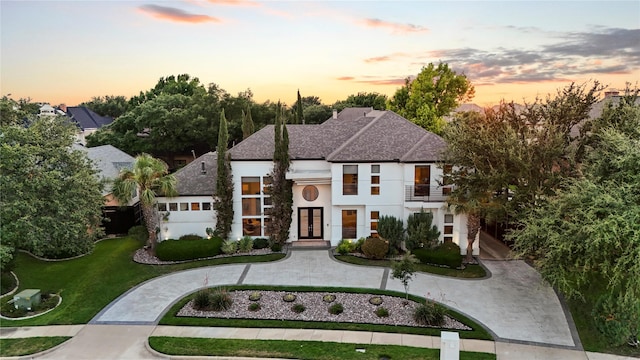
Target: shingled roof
356, 135
193, 181
87, 119
108, 160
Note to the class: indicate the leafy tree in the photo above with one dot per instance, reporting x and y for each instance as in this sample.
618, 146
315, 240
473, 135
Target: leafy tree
112, 106
248, 127
317, 114
21, 112
223, 203
588, 232
51, 203
433, 94
403, 270
363, 99
391, 229
148, 177
281, 189
420, 231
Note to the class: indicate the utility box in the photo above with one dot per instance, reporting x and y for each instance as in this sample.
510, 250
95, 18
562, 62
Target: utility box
27, 299
449, 345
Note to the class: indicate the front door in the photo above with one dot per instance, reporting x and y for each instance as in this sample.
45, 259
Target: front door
310, 223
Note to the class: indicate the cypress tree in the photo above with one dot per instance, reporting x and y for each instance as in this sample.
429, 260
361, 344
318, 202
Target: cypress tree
281, 189
223, 202
247, 123
299, 109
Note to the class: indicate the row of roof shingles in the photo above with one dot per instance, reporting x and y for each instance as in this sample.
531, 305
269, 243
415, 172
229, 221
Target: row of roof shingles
191, 179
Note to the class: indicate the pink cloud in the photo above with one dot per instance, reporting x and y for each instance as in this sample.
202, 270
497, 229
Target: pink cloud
394, 27
176, 15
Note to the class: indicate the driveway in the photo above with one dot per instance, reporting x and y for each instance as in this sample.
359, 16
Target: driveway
514, 303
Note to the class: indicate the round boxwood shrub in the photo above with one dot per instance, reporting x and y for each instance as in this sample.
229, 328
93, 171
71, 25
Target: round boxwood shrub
255, 296
375, 248
381, 311
329, 298
336, 309
254, 306
260, 243
298, 308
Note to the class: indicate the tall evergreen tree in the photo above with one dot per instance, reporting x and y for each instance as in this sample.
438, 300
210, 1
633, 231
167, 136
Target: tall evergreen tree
299, 110
247, 123
281, 189
223, 203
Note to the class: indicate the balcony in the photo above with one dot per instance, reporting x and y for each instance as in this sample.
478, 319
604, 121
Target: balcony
426, 193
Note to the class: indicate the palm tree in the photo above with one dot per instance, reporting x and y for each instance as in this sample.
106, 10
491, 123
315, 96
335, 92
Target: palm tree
149, 176
475, 204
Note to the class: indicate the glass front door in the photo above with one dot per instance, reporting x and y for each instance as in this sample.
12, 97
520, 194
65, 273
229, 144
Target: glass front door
310, 223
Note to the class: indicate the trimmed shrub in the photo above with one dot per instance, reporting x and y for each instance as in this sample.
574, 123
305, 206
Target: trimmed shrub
289, 297
180, 250
375, 300
260, 243
429, 313
220, 300
375, 248
254, 306
201, 300
421, 233
229, 247
298, 308
329, 298
336, 309
447, 254
381, 312
276, 247
392, 230
139, 233
255, 296
245, 244
359, 244
190, 237
345, 246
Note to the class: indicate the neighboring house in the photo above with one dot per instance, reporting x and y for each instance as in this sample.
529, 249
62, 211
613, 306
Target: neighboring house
347, 172
109, 161
87, 121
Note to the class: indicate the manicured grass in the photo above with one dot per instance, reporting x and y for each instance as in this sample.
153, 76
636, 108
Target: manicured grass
90, 283
310, 350
28, 346
170, 318
471, 271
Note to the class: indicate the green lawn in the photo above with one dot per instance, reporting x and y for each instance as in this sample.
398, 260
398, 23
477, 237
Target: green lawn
170, 318
28, 346
311, 350
90, 283
471, 271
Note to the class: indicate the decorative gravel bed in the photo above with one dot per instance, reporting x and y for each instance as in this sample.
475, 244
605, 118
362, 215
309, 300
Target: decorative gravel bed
142, 256
357, 309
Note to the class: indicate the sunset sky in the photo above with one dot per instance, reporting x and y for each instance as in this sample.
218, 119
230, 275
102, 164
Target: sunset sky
69, 51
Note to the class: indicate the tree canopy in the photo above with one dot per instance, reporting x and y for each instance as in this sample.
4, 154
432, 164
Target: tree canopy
589, 232
51, 203
363, 99
112, 106
433, 94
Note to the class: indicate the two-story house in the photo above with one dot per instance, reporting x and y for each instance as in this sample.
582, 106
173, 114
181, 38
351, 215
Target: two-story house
347, 172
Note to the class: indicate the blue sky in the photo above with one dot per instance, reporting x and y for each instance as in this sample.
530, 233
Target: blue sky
69, 51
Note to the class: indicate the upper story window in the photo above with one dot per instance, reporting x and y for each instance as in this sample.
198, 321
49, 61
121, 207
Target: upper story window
251, 185
421, 180
349, 179
375, 179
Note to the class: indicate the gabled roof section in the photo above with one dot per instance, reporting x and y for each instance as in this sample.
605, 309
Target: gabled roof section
85, 118
108, 160
193, 181
356, 135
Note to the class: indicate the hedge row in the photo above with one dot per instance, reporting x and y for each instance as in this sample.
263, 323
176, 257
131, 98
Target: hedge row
189, 248
447, 254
